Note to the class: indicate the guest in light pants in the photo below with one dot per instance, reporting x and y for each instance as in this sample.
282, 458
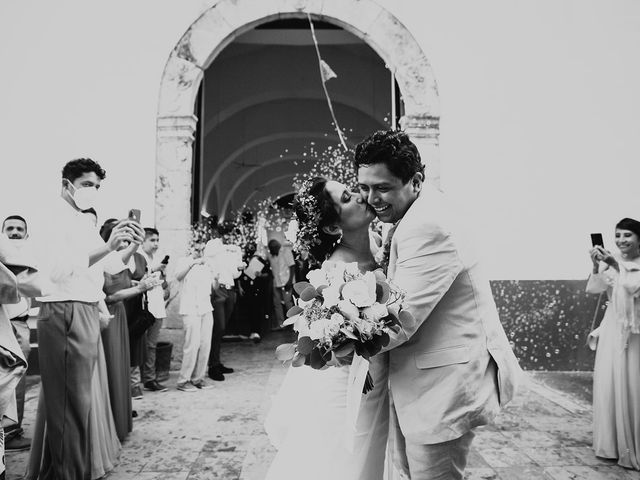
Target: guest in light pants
197, 281
15, 228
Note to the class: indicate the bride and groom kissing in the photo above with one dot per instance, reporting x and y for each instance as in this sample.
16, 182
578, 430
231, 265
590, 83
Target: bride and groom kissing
447, 370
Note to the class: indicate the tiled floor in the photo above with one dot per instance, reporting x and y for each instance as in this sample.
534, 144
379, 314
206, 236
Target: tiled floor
218, 434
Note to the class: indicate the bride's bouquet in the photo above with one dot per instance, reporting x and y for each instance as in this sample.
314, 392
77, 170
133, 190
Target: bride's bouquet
341, 312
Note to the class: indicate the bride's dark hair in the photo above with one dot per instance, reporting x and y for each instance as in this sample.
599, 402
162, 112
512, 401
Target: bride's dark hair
315, 210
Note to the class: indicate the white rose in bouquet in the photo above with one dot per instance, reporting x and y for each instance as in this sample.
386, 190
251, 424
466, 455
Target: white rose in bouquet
331, 296
362, 292
375, 312
349, 310
317, 277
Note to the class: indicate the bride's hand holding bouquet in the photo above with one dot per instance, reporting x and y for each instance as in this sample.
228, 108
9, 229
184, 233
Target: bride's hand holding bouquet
341, 312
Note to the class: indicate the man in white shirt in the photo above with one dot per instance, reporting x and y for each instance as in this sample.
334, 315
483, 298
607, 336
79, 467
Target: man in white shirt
156, 298
15, 228
197, 281
283, 271
18, 278
68, 326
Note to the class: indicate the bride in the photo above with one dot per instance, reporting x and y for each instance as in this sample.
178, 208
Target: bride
308, 420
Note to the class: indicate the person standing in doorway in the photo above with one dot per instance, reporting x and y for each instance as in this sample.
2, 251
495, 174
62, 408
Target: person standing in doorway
226, 263
197, 281
283, 271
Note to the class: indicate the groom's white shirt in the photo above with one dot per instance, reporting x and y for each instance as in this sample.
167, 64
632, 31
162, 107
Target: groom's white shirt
452, 368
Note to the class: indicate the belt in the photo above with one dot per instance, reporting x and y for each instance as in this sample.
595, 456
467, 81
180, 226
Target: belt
226, 287
22, 318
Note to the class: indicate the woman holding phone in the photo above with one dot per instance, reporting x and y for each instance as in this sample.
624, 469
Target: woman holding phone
616, 376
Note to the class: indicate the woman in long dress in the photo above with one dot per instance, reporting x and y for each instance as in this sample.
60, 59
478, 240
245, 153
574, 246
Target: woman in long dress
308, 420
616, 376
133, 307
115, 337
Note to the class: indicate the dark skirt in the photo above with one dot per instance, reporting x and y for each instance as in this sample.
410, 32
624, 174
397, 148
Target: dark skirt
115, 339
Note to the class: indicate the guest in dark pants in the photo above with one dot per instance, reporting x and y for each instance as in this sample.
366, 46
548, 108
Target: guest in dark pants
304, 263
224, 301
251, 305
68, 325
226, 262
283, 273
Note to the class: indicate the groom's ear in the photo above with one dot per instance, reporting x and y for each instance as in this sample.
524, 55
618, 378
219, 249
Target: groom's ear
332, 229
416, 182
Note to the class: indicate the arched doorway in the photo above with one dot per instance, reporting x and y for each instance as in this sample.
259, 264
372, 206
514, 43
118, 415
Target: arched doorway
218, 27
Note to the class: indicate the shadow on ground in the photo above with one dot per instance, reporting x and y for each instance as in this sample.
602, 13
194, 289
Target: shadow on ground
545, 433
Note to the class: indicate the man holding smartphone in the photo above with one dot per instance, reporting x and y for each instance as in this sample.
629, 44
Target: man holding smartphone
68, 326
156, 297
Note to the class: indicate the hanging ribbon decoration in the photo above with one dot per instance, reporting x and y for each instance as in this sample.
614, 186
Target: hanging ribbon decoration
326, 74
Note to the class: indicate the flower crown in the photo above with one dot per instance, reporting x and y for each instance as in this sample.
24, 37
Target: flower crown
308, 218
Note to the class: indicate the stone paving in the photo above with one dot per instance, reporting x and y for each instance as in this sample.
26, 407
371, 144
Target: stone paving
217, 434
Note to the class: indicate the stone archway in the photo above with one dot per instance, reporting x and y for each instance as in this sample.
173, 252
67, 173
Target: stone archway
220, 25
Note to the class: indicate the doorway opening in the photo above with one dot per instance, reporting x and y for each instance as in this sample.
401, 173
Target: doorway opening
262, 111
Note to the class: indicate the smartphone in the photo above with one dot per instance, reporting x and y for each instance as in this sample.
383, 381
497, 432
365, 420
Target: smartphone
165, 260
134, 214
596, 240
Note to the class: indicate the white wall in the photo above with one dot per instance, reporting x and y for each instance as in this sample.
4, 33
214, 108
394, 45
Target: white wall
82, 79
540, 132
539, 102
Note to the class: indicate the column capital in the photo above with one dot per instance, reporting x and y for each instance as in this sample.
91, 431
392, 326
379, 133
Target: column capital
177, 127
421, 126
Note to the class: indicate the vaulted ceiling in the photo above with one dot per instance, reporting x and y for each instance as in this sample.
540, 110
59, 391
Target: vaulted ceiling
264, 109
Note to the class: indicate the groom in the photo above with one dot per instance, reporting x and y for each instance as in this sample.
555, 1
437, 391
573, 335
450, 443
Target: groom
451, 368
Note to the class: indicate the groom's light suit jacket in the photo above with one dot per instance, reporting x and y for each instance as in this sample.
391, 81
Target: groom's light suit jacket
452, 368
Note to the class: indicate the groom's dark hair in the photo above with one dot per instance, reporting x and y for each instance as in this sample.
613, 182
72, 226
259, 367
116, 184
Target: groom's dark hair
394, 149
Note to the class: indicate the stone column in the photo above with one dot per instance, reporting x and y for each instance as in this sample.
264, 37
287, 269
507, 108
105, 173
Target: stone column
424, 131
173, 190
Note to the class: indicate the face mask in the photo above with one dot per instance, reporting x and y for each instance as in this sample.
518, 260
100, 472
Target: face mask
18, 242
84, 197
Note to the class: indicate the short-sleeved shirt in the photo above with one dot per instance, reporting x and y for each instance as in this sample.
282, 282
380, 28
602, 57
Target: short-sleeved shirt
280, 266
195, 288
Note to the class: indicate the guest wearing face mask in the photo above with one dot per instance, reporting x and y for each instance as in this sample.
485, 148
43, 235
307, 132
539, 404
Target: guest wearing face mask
68, 324
15, 228
104, 443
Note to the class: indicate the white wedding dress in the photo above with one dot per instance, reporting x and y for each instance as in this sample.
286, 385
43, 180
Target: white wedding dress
316, 437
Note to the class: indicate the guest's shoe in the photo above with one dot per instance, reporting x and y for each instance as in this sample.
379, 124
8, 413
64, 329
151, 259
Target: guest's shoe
216, 374
255, 337
134, 413
224, 369
136, 392
202, 385
17, 443
186, 387
155, 386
